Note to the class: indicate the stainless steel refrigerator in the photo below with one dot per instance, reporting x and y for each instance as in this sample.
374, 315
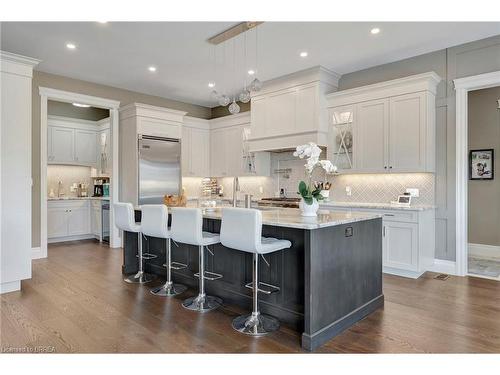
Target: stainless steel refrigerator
159, 168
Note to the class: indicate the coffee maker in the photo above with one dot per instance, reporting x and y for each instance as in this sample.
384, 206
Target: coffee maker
98, 188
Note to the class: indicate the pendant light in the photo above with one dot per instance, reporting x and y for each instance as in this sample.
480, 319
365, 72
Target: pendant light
234, 108
256, 85
245, 94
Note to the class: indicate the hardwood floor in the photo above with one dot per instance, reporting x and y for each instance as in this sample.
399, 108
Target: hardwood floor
78, 302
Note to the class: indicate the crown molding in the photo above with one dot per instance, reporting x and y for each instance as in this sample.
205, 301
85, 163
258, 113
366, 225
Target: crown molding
415, 83
17, 64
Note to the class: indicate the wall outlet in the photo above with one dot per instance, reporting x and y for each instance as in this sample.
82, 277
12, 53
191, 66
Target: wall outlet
413, 192
348, 191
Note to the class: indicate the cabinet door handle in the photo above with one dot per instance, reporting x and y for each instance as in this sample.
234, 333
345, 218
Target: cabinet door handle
390, 167
385, 167
384, 231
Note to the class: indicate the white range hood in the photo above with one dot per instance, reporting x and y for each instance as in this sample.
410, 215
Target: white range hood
291, 110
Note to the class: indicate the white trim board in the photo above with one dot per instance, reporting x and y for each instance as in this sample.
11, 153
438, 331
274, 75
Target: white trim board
484, 251
443, 266
36, 253
462, 87
47, 94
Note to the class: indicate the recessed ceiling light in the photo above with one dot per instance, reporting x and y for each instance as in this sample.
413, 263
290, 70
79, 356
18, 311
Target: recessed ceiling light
303, 54
103, 22
81, 105
375, 30
70, 46
152, 68
251, 72
211, 84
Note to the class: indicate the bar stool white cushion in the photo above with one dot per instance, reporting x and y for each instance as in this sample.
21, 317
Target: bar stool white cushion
154, 220
187, 226
241, 229
125, 217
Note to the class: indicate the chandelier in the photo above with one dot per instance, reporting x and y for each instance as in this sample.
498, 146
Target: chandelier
228, 93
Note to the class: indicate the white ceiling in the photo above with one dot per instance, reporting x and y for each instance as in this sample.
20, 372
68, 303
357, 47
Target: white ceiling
118, 54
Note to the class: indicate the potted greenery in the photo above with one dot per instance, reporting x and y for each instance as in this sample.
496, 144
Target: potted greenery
309, 193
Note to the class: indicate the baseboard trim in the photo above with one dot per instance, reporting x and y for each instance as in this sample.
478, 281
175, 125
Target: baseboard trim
36, 253
12, 286
71, 238
484, 251
443, 266
402, 273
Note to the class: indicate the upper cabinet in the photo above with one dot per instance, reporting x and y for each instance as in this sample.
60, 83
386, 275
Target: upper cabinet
229, 149
76, 142
391, 126
195, 146
291, 110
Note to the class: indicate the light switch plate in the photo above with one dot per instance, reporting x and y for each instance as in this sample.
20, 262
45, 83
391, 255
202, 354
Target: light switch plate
414, 192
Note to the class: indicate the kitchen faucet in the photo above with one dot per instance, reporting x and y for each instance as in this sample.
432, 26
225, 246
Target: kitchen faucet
236, 189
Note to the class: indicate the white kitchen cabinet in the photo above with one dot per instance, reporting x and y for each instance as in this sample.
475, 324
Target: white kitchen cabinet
195, 152
291, 110
96, 218
408, 238
218, 159
400, 248
57, 221
394, 124
68, 220
85, 147
62, 146
407, 133
371, 126
227, 156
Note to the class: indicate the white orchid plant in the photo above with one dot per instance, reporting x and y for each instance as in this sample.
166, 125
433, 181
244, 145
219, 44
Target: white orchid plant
311, 153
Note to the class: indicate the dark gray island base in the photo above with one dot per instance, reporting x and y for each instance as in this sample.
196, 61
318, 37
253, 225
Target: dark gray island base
330, 278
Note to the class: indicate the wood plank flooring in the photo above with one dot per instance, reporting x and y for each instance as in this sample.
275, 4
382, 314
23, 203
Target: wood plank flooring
78, 302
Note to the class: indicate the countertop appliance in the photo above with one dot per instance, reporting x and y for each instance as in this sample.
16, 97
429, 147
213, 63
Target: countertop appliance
159, 168
279, 202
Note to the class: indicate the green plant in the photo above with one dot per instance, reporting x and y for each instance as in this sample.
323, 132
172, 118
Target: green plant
306, 192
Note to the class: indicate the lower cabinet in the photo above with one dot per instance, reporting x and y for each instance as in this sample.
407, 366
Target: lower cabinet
73, 219
408, 239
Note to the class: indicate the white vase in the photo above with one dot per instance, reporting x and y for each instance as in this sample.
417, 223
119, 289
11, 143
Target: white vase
309, 210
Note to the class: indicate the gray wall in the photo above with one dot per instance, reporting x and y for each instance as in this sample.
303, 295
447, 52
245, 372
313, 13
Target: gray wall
41, 79
461, 61
69, 110
484, 196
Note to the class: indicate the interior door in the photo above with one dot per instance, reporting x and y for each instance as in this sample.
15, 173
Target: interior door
370, 136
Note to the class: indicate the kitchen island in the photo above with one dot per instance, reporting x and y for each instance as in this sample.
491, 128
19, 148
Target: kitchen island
329, 279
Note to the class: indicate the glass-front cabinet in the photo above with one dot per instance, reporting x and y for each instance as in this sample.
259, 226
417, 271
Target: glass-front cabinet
341, 137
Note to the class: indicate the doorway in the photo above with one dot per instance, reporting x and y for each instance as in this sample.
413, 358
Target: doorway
69, 135
483, 110
477, 189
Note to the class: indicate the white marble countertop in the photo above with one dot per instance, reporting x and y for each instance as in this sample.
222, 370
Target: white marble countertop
291, 218
381, 206
77, 198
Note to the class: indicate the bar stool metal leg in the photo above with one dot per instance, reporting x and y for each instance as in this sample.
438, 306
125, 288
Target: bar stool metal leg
202, 302
169, 289
256, 324
140, 277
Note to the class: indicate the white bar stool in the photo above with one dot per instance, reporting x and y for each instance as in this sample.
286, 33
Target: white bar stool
154, 223
241, 229
187, 227
125, 220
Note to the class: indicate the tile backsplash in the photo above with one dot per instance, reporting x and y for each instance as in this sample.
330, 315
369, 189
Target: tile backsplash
370, 188
68, 174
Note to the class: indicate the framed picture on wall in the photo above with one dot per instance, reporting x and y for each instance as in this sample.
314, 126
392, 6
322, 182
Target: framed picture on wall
481, 164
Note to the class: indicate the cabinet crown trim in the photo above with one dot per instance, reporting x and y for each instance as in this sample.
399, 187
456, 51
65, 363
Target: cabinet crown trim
146, 110
418, 82
17, 64
303, 77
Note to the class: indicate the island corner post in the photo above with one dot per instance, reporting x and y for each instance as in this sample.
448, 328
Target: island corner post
329, 279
